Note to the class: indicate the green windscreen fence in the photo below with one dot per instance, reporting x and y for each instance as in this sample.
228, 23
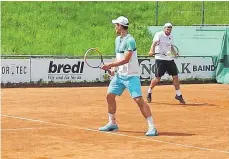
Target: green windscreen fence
203, 41
196, 40
222, 61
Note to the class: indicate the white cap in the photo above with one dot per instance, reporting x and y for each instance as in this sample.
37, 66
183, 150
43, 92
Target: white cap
121, 20
168, 25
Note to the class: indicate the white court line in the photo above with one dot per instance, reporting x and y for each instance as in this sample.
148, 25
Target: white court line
119, 134
16, 129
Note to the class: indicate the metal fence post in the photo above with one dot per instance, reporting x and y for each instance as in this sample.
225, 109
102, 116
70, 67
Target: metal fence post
156, 14
202, 21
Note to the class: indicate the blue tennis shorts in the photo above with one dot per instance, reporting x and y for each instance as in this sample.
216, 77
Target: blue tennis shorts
131, 83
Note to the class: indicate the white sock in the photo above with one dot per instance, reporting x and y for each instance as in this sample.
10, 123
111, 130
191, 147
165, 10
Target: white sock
178, 92
149, 90
150, 122
112, 119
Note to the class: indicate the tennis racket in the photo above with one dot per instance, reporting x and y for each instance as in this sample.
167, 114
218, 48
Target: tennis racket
94, 53
169, 50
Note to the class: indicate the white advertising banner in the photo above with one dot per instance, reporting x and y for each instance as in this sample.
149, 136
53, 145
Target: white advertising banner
75, 70
63, 70
188, 67
15, 70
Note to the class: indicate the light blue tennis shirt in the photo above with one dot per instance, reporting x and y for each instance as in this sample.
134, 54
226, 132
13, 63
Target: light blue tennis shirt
122, 45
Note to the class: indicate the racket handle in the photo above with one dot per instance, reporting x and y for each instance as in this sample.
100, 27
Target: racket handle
109, 71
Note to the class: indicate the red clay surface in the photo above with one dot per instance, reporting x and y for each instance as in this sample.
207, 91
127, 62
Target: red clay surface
62, 123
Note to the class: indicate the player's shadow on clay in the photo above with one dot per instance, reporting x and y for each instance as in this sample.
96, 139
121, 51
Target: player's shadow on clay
174, 134
159, 133
187, 104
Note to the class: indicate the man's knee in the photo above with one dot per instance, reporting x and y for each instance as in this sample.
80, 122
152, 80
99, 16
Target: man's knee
175, 78
139, 101
157, 79
110, 97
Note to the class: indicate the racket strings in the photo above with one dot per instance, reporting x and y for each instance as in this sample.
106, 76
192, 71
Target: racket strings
93, 54
93, 58
168, 51
175, 51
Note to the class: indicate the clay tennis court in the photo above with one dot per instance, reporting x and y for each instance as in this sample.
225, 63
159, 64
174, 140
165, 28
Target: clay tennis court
61, 123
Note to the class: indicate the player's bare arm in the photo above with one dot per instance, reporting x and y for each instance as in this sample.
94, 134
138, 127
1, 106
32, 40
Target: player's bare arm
113, 69
152, 49
126, 59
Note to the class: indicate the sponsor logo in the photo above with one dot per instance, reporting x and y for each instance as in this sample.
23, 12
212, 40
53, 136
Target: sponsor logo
146, 68
65, 72
13, 70
203, 68
66, 68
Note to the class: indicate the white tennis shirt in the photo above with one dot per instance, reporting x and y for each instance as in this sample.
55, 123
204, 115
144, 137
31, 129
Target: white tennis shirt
122, 45
163, 46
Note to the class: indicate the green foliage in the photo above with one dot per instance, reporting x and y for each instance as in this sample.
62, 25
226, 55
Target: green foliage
70, 28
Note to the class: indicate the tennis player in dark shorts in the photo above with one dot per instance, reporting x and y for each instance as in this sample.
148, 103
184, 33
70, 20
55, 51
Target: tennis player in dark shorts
164, 63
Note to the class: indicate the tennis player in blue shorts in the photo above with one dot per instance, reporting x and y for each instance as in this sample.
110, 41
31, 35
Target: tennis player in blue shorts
127, 77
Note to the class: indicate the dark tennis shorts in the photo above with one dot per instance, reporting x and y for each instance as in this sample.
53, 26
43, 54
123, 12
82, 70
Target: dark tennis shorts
162, 66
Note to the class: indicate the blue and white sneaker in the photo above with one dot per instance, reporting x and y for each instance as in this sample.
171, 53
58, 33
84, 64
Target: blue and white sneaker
152, 132
109, 127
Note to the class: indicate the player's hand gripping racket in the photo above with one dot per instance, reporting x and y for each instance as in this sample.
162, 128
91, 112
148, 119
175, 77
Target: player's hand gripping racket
93, 53
169, 50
